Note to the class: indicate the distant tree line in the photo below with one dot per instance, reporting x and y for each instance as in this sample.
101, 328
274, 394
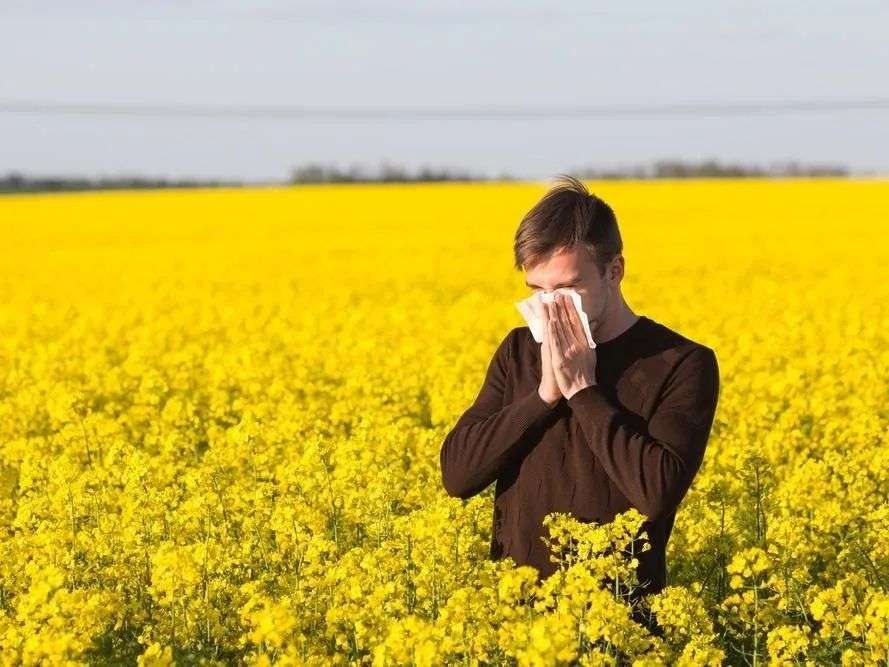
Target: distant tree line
319, 173
712, 169
315, 172
388, 173
15, 182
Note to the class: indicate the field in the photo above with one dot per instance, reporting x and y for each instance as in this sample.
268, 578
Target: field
221, 413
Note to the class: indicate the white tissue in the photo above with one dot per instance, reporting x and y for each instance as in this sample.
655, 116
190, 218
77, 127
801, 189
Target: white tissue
531, 306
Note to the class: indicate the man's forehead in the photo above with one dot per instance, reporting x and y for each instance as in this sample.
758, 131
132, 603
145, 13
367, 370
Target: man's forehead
563, 266
558, 278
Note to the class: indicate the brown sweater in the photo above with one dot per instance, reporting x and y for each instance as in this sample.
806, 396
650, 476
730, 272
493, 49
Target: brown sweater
636, 438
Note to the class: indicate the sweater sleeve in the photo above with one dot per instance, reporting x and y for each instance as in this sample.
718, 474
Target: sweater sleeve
654, 466
478, 446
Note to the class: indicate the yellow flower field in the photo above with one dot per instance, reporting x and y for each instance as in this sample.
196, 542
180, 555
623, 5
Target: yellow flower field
221, 413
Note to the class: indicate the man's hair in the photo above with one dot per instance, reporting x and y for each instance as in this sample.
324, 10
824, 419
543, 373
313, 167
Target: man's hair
568, 216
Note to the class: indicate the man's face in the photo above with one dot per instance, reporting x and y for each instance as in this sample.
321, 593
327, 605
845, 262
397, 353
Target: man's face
576, 269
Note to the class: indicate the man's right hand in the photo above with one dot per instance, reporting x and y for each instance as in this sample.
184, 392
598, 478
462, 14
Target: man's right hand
549, 389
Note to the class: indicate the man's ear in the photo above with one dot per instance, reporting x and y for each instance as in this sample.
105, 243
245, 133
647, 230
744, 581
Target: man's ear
617, 269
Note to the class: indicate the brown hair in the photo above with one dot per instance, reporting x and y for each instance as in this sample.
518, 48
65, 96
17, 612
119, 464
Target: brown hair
568, 216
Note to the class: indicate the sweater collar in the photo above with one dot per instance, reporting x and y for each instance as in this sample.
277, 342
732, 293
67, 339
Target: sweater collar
626, 335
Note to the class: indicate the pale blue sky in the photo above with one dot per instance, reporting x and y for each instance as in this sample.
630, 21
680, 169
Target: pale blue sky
438, 54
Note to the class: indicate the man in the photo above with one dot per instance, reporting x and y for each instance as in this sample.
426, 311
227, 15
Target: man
560, 426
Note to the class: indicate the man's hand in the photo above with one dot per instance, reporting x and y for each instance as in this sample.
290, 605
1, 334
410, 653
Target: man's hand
549, 388
573, 360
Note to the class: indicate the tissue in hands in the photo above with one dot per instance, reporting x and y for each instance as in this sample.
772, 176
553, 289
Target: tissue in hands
532, 310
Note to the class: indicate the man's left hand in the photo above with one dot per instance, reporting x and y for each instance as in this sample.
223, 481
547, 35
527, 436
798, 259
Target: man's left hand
573, 360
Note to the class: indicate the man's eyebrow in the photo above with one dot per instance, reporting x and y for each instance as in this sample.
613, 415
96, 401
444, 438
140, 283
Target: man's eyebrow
570, 281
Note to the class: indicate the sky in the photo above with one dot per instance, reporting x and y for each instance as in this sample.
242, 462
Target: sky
441, 56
